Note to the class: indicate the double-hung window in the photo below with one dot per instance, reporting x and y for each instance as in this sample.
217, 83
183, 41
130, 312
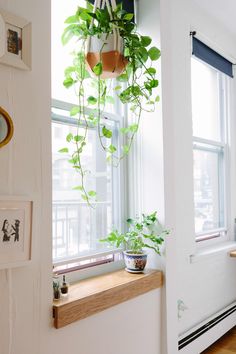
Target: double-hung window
77, 227
210, 142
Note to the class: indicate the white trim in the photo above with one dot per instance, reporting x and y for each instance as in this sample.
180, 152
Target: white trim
211, 232
208, 142
87, 257
66, 106
212, 251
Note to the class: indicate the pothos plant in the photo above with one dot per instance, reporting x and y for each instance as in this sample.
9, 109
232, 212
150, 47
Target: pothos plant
134, 87
144, 232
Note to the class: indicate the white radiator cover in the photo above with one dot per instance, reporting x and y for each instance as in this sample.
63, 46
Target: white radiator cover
206, 339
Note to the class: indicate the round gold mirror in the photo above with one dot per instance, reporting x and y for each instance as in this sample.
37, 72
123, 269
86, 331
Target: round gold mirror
6, 127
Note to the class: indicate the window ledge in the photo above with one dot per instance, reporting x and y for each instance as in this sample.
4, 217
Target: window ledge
212, 251
93, 295
233, 253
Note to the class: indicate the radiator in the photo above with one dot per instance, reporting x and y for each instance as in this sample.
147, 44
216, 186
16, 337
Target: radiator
202, 336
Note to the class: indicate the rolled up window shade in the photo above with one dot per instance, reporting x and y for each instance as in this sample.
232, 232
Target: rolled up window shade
205, 53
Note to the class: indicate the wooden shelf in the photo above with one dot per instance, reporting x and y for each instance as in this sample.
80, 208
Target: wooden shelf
232, 253
96, 294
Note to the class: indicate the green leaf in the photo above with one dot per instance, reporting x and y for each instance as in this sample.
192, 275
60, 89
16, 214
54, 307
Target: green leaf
71, 19
150, 71
78, 138
126, 149
84, 197
69, 70
124, 130
130, 221
154, 53
92, 100
126, 52
153, 83
117, 88
78, 188
64, 150
144, 54
74, 110
106, 132
97, 69
92, 193
69, 137
68, 82
133, 128
128, 17
112, 149
145, 41
122, 78
66, 36
157, 99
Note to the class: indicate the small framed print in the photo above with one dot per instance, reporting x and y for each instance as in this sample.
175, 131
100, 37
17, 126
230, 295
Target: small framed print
15, 41
15, 232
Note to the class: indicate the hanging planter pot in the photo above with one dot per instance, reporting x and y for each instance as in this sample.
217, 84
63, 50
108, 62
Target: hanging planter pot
107, 49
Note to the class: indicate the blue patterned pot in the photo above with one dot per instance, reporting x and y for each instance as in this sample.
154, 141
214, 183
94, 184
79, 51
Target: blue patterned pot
135, 263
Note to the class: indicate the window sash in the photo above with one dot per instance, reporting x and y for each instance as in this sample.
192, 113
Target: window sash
221, 149
117, 208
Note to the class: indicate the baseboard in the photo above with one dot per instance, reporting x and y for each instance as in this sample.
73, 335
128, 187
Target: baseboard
202, 336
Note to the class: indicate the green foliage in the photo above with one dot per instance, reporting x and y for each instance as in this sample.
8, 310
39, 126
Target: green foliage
139, 76
144, 232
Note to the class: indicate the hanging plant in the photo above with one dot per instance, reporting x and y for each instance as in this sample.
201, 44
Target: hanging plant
108, 47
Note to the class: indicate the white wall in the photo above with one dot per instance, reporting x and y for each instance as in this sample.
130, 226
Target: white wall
26, 292
210, 284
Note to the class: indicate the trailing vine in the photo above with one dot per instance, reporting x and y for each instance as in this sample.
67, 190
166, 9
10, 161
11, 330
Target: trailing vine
135, 86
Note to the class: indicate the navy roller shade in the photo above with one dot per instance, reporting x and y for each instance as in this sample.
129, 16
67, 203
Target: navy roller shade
203, 52
128, 5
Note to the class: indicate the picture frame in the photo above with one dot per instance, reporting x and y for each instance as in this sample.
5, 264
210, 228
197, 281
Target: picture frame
15, 232
15, 41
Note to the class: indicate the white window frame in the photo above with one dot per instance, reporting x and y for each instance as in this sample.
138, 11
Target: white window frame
120, 178
222, 234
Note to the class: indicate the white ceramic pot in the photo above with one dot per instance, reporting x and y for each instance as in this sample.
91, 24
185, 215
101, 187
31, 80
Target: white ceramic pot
135, 263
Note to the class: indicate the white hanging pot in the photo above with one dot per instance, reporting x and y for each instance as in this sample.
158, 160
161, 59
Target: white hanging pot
107, 49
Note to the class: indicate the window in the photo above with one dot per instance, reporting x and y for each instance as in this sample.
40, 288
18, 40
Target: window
77, 228
210, 149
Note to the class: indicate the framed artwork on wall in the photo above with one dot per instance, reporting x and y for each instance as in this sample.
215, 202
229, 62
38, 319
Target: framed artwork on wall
15, 41
15, 232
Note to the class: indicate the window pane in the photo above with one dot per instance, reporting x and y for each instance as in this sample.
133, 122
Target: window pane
205, 101
208, 190
77, 227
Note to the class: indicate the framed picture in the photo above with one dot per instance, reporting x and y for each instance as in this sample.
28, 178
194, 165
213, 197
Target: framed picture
15, 232
15, 41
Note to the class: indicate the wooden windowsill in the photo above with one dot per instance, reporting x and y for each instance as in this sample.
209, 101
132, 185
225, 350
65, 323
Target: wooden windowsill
96, 294
232, 253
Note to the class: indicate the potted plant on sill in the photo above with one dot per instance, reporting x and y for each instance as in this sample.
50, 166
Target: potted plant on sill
145, 232
107, 44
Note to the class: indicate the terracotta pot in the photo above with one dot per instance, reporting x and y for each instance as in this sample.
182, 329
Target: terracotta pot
109, 52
